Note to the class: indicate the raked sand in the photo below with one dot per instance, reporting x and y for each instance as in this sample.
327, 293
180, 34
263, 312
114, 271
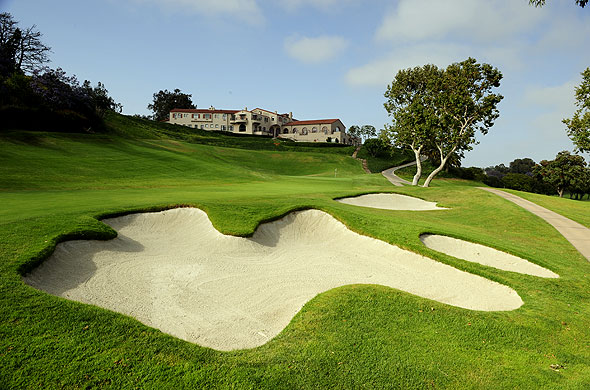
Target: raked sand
484, 255
174, 271
391, 202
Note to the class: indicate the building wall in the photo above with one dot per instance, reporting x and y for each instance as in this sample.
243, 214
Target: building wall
207, 120
263, 122
334, 131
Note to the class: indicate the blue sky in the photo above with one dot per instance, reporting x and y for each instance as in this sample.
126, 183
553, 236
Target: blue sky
325, 58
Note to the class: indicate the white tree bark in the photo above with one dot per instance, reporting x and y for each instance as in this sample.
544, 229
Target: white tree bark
443, 161
418, 165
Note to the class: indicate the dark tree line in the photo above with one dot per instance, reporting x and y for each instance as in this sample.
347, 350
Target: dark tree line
36, 97
567, 173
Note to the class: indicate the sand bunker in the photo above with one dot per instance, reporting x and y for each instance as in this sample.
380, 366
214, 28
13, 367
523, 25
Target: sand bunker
484, 255
172, 270
391, 202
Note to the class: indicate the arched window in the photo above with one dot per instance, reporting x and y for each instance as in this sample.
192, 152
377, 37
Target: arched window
337, 129
304, 131
294, 130
314, 130
325, 130
285, 131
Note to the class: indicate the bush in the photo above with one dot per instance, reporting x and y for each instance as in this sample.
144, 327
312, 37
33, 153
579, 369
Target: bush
519, 182
375, 147
493, 181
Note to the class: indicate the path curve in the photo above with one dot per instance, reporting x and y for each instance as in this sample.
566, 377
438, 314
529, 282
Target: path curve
578, 235
396, 180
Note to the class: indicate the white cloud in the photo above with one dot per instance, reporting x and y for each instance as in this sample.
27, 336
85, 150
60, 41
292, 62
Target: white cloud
322, 4
468, 20
315, 50
245, 10
382, 71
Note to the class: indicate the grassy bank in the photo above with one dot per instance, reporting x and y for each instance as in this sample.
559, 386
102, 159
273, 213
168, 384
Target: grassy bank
53, 187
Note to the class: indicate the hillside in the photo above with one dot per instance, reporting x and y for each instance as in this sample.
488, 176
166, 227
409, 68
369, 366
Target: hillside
56, 187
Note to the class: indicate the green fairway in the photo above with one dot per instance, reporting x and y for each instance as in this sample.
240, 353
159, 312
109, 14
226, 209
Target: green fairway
53, 187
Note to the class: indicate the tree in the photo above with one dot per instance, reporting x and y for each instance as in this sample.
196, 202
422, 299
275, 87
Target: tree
464, 104
411, 98
354, 131
540, 3
100, 100
368, 131
563, 172
375, 147
20, 49
578, 127
165, 101
522, 165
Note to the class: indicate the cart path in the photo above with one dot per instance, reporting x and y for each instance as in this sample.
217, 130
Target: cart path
396, 180
578, 235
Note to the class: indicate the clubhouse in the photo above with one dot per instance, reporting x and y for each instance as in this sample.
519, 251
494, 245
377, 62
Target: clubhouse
263, 122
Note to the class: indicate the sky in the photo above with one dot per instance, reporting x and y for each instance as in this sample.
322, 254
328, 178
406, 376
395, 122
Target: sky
325, 58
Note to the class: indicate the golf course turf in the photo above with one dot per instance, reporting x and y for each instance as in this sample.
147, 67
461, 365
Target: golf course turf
56, 187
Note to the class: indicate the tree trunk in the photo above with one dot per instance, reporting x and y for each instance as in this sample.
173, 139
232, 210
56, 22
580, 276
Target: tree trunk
443, 161
560, 192
418, 166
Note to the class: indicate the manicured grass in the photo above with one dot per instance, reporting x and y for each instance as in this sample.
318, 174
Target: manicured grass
384, 161
52, 187
575, 210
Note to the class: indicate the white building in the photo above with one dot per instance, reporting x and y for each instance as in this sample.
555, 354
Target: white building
263, 122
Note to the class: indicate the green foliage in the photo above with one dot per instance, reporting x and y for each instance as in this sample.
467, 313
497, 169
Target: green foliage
165, 101
578, 127
386, 158
567, 171
439, 111
519, 181
411, 104
375, 147
522, 165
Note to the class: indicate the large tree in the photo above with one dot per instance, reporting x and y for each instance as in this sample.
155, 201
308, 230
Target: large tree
411, 102
464, 104
578, 127
540, 3
165, 101
20, 49
563, 173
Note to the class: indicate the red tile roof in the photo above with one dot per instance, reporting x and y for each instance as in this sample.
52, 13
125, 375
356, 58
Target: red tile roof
204, 111
312, 122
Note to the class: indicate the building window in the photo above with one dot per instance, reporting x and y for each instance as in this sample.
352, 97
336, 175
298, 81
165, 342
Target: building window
217, 126
224, 116
285, 131
294, 130
231, 127
222, 127
304, 131
314, 130
202, 127
216, 116
325, 130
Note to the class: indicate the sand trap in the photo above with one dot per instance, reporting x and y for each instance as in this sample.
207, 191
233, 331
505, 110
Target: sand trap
391, 202
484, 255
172, 270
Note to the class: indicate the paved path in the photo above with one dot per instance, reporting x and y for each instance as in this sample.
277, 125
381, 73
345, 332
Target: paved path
362, 160
578, 235
396, 180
